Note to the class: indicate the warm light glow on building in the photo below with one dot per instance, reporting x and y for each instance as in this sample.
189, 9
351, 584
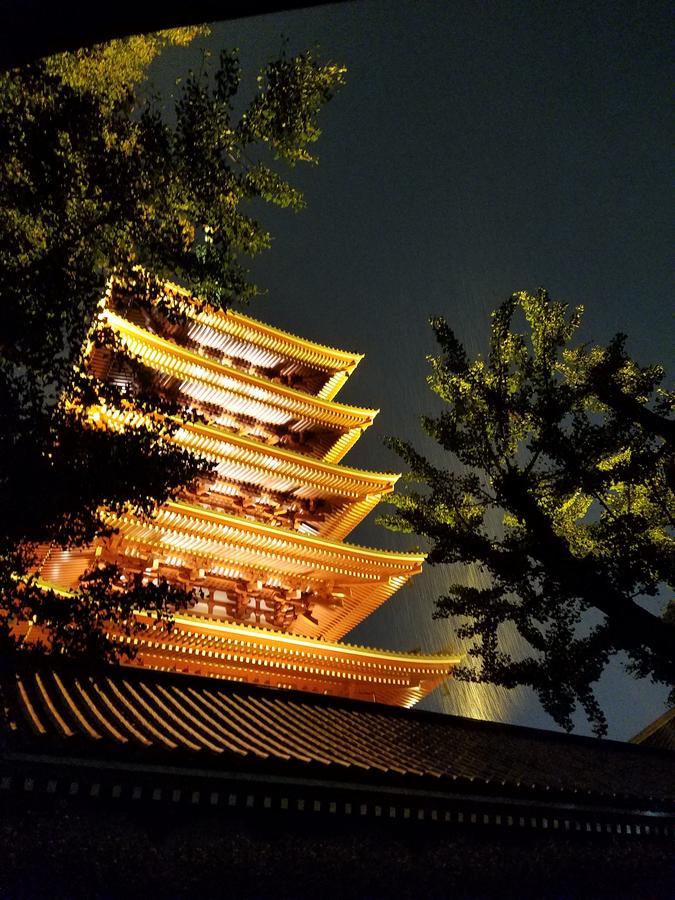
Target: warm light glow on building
262, 537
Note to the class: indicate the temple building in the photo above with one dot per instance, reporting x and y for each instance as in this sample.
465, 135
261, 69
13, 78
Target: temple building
262, 537
237, 752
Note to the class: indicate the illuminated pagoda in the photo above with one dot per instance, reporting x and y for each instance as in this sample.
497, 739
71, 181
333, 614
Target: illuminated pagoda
263, 536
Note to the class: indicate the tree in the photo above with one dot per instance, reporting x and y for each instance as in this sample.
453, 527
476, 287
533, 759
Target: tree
561, 492
101, 177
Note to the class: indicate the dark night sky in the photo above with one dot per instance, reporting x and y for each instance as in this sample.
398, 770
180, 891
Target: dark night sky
477, 149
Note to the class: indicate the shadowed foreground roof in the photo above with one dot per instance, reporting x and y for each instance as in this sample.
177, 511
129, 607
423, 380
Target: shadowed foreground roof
160, 717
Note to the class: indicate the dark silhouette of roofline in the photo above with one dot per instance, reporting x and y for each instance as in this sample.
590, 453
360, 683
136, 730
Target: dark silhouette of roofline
31, 29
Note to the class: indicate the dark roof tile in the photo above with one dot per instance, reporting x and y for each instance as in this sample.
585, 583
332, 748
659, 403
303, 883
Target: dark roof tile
124, 711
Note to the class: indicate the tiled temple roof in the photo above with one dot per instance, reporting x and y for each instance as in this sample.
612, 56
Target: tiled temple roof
136, 715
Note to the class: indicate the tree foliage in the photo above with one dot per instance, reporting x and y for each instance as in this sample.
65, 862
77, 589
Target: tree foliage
101, 177
560, 489
79, 624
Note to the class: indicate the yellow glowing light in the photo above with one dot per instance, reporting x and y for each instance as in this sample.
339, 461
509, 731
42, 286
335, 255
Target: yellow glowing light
225, 533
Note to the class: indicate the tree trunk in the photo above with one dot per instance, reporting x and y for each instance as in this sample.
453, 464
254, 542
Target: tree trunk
630, 408
633, 626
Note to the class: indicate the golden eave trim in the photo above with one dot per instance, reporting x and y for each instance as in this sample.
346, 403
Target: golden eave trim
275, 532
380, 481
296, 347
326, 410
268, 636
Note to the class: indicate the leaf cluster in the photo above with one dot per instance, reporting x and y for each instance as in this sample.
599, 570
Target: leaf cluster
90, 625
559, 488
98, 178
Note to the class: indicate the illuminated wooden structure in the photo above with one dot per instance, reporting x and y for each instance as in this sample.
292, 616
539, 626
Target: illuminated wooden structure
263, 536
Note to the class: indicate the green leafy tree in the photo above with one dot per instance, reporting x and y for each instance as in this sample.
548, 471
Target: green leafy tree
559, 489
101, 177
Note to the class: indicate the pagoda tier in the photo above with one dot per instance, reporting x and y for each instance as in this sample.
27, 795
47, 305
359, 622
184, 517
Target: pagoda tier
238, 340
229, 397
282, 487
259, 573
268, 483
223, 650
246, 571
262, 656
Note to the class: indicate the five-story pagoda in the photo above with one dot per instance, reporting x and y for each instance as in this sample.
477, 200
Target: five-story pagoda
262, 537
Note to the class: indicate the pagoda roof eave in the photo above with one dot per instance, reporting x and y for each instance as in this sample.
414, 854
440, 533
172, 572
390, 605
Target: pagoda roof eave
189, 364
324, 356
205, 438
251, 654
220, 519
313, 643
378, 482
